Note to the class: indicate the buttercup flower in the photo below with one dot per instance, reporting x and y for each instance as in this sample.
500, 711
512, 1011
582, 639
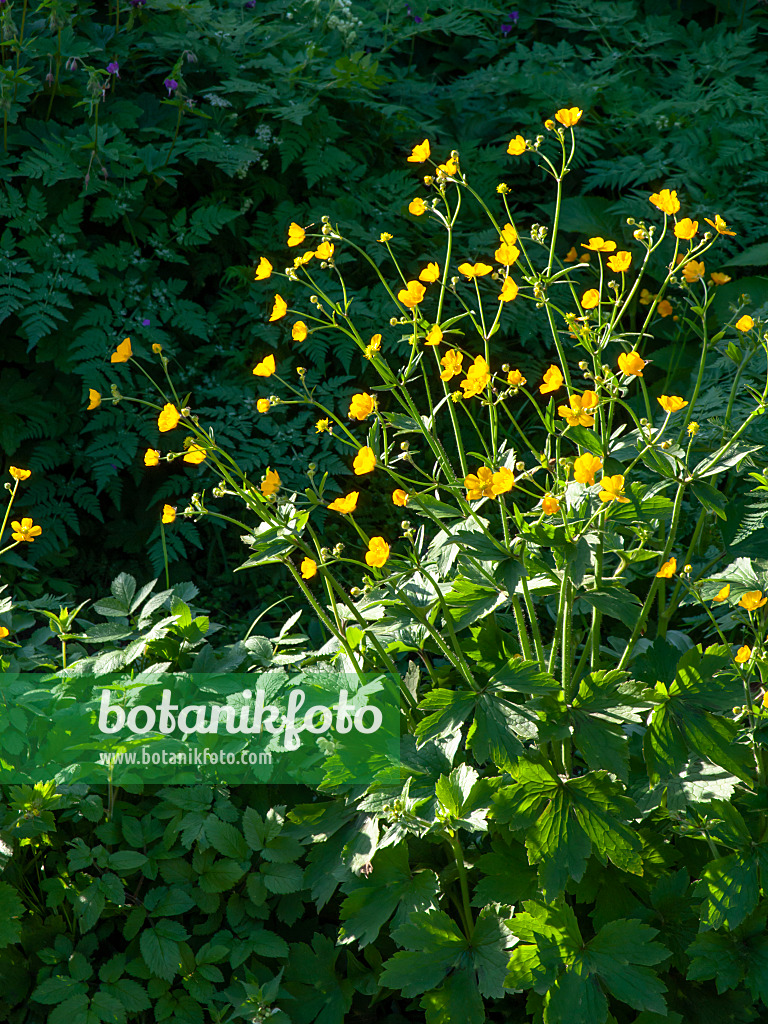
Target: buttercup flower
195, 455
364, 461
515, 379
585, 467
477, 378
377, 553
613, 489
299, 331
693, 271
646, 297
590, 298
686, 228
264, 269
722, 595
279, 309
430, 273
503, 480
168, 418
151, 457
265, 368
665, 201
744, 323
412, 294
632, 364
385, 237
451, 363
753, 600
308, 568
719, 225
599, 244
449, 168
169, 514
620, 262
572, 255
301, 261
664, 308
94, 399
373, 346
420, 153
668, 569
24, 531
692, 428
361, 406
4, 632
716, 278
576, 413
506, 254
471, 270
553, 380
743, 655
550, 506
417, 207
19, 474
508, 235
322, 425
516, 146
324, 251
399, 498
671, 403
262, 405
346, 504
270, 484
296, 235
508, 291
480, 484
569, 116
434, 336
123, 352
157, 349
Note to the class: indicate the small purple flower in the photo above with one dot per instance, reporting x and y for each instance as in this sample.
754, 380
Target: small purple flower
249, 6
145, 323
113, 68
507, 26
415, 17
138, 3
171, 85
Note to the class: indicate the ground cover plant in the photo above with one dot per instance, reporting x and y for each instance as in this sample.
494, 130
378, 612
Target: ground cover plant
572, 601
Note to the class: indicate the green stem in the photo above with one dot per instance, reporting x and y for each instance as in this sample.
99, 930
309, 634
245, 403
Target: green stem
458, 854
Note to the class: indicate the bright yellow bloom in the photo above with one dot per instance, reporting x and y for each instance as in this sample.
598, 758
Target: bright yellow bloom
692, 428
399, 498
430, 273
434, 336
508, 234
508, 291
569, 116
599, 244
576, 413
264, 270
515, 379
693, 271
671, 403
364, 461
308, 568
590, 298
168, 418
553, 380
503, 480
19, 474
270, 484
449, 168
420, 153
745, 323
4, 632
279, 309
716, 278
753, 600
451, 364
743, 655
265, 368
665, 201
123, 352
301, 261
664, 308
719, 225
24, 531
377, 553
151, 457
620, 261
550, 506
157, 349
572, 255
361, 406
373, 346
324, 251
195, 455
646, 297
346, 504
686, 228
262, 405
412, 294
471, 270
417, 207
516, 146
94, 399
477, 378
385, 237
322, 425
480, 484
299, 331
585, 467
668, 569
613, 489
169, 514
296, 235
506, 254
632, 364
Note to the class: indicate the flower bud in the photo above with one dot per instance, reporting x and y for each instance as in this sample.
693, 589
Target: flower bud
519, 466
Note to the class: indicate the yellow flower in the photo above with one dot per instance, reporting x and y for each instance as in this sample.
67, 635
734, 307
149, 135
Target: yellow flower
434, 336
4, 632
296, 235
377, 553
373, 346
270, 484
665, 201
613, 489
620, 261
745, 323
151, 457
346, 504
299, 331
322, 425
716, 278
264, 269
692, 428
646, 297
420, 153
265, 368
569, 116
94, 399
572, 255
585, 467
480, 484
508, 235
449, 168
385, 236
471, 270
430, 273
364, 461
157, 349
308, 568
19, 474
553, 380
279, 309
576, 412
361, 406
516, 146
743, 655
399, 498
719, 225
686, 228
262, 405
515, 379
632, 364
599, 244
753, 600
664, 308
693, 271
668, 569
671, 403
451, 364
24, 531
195, 455
417, 207
506, 254
123, 352
590, 298
508, 291
412, 294
168, 418
503, 480
324, 251
169, 514
477, 378
550, 506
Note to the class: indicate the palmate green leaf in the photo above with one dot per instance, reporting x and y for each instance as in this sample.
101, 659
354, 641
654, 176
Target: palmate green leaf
614, 601
730, 888
457, 998
732, 957
11, 910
